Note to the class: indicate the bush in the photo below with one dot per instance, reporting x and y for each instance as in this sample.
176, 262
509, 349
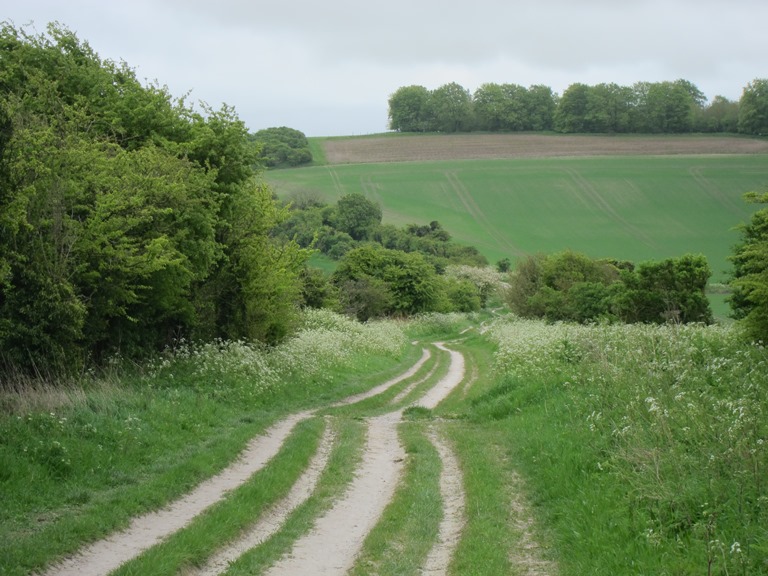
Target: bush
571, 287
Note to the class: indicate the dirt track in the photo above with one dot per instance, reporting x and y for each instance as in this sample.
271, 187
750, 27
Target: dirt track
331, 547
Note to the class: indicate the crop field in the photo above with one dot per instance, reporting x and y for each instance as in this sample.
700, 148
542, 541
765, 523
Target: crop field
634, 197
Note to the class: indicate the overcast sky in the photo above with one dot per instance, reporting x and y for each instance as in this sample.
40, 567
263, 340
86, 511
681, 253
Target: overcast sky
328, 67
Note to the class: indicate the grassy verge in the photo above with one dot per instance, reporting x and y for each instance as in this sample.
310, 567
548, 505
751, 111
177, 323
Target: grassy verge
642, 446
318, 151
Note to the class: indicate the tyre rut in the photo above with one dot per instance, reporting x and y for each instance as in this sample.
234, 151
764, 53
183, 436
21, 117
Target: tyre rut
335, 540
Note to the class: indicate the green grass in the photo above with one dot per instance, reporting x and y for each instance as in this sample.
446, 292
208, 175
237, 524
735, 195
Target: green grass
100, 454
642, 446
635, 208
400, 542
94, 466
317, 150
224, 521
618, 449
323, 262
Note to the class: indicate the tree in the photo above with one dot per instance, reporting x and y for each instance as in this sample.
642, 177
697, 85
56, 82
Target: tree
749, 301
407, 278
357, 215
673, 290
127, 218
451, 107
572, 109
490, 107
608, 108
570, 286
282, 146
409, 109
541, 107
666, 107
753, 108
722, 115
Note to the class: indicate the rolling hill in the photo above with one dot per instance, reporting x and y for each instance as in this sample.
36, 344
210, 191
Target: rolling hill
628, 197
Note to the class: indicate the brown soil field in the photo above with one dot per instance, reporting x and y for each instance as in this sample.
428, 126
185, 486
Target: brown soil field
423, 148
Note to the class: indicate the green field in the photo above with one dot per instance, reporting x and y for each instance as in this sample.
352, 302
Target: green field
629, 207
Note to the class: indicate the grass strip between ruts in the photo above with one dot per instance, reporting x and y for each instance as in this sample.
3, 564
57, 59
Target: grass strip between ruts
225, 520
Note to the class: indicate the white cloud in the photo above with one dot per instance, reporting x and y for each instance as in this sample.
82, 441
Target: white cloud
329, 67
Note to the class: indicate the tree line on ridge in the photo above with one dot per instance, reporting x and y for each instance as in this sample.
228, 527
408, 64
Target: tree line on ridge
645, 107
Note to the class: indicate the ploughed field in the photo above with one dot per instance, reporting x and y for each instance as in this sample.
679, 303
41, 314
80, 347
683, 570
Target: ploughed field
428, 147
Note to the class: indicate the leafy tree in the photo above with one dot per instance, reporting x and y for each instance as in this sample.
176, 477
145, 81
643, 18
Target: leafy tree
722, 115
749, 301
504, 265
317, 291
541, 107
409, 109
517, 108
256, 289
673, 290
357, 215
283, 146
485, 280
451, 107
609, 108
490, 104
572, 110
406, 277
753, 108
564, 286
461, 295
570, 286
666, 107
524, 282
126, 218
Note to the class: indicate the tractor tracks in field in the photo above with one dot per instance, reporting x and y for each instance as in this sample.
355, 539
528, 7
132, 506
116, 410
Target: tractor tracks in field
593, 198
472, 208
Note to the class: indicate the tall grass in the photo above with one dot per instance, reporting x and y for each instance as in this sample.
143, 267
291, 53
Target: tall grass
646, 444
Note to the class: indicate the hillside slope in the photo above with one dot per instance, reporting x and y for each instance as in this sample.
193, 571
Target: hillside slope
628, 197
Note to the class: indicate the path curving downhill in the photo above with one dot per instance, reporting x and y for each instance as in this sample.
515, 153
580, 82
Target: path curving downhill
335, 540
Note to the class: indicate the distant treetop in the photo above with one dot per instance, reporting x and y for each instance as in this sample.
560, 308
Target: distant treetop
283, 147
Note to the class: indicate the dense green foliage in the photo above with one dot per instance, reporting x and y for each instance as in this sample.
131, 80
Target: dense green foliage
570, 286
282, 146
336, 229
384, 270
128, 218
645, 107
753, 109
749, 301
